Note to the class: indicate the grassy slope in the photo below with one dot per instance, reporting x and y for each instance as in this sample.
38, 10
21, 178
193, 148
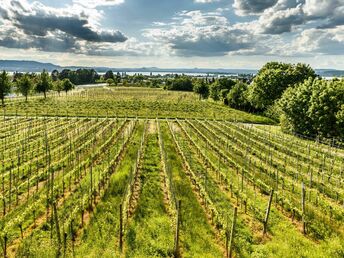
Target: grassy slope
197, 236
150, 231
129, 102
100, 239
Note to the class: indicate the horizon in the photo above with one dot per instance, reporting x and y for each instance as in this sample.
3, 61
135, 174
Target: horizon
182, 34
152, 67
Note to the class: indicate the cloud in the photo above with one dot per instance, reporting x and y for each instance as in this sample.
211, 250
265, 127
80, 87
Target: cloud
206, 1
96, 3
196, 33
321, 41
74, 26
281, 16
278, 22
252, 7
48, 29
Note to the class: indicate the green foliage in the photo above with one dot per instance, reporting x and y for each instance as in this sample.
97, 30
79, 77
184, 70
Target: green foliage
326, 100
109, 75
25, 85
110, 82
201, 88
80, 76
67, 85
237, 97
273, 79
5, 86
57, 86
181, 83
44, 83
314, 108
220, 88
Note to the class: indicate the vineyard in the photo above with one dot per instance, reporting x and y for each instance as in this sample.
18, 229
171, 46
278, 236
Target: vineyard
140, 187
125, 102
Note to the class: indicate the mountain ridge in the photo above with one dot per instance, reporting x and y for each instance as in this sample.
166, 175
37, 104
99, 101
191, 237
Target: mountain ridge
36, 66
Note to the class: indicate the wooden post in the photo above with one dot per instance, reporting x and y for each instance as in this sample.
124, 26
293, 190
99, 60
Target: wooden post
64, 243
268, 212
5, 246
303, 201
58, 233
176, 238
231, 240
120, 227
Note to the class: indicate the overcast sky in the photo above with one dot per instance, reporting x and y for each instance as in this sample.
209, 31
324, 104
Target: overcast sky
174, 33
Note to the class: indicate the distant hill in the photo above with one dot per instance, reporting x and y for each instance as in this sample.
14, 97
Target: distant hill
26, 66
33, 66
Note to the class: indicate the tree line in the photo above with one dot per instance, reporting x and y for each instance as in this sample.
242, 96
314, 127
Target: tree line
291, 94
28, 83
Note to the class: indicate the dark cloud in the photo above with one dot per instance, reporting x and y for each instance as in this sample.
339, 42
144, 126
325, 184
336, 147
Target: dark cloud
282, 22
48, 44
78, 27
252, 6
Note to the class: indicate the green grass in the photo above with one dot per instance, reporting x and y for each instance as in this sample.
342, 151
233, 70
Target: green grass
150, 233
198, 238
100, 238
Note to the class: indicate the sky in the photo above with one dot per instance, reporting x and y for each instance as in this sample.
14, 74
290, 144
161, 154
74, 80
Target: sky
174, 33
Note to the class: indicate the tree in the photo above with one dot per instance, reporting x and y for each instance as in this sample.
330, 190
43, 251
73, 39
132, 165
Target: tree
25, 85
326, 101
220, 88
108, 75
201, 88
44, 83
5, 86
67, 85
55, 75
273, 79
57, 86
294, 105
215, 90
314, 108
182, 83
110, 82
237, 97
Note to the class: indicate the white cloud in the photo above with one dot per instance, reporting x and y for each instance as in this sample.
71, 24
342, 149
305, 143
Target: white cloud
206, 1
96, 3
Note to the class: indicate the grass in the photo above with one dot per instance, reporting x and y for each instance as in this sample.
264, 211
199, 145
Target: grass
150, 232
198, 238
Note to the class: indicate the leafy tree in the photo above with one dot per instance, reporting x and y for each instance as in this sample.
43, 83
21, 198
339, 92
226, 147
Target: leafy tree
340, 121
273, 79
67, 85
5, 86
314, 108
110, 82
294, 105
109, 75
55, 75
25, 85
201, 88
326, 101
214, 90
220, 88
182, 83
44, 83
237, 97
57, 86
